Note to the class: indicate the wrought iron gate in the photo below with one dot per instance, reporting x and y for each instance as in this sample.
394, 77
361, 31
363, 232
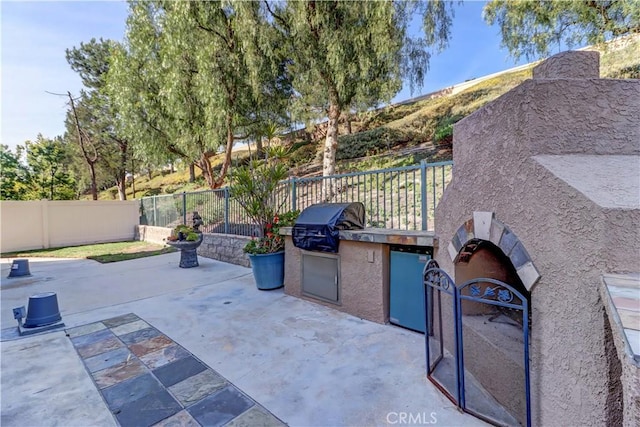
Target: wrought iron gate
444, 340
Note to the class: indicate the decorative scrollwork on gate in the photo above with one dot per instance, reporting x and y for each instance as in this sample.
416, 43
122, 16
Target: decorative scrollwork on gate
496, 293
437, 278
493, 290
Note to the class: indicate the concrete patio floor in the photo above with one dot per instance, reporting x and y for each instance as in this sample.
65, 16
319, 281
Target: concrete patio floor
307, 364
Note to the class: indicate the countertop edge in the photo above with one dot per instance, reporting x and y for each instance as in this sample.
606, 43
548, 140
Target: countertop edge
382, 236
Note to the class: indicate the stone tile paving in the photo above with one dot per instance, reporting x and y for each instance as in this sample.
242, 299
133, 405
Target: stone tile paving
146, 379
624, 291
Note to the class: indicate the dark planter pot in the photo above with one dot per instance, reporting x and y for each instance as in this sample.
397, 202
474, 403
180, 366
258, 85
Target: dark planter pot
268, 270
188, 254
43, 310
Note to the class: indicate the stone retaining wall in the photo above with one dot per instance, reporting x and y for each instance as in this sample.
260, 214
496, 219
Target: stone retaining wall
221, 247
226, 248
151, 234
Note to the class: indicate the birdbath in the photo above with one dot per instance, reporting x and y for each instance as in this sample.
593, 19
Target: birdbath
188, 253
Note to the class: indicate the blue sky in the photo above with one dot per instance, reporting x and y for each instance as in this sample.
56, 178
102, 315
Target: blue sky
35, 35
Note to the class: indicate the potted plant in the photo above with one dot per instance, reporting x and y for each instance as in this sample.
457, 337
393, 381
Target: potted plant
183, 233
257, 188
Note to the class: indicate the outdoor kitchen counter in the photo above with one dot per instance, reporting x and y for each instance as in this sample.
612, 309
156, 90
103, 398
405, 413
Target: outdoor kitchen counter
384, 236
359, 276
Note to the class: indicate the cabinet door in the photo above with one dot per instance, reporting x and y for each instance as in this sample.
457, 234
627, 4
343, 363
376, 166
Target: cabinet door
406, 297
320, 276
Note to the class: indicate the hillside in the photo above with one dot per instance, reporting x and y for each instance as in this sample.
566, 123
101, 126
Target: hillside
397, 135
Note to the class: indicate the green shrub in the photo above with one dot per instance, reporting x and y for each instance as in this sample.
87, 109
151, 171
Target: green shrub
377, 162
303, 153
444, 129
152, 192
288, 219
255, 188
169, 189
369, 142
188, 233
630, 72
443, 133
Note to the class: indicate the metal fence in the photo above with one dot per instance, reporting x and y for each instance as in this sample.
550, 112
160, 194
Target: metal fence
398, 198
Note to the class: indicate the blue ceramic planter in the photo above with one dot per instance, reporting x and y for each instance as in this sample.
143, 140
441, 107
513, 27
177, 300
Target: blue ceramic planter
268, 270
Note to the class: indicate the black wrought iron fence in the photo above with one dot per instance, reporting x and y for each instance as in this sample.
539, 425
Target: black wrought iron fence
398, 198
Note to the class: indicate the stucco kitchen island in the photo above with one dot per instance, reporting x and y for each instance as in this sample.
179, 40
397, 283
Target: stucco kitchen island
356, 279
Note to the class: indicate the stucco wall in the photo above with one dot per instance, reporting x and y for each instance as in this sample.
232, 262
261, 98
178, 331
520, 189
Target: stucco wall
364, 278
50, 224
562, 230
22, 226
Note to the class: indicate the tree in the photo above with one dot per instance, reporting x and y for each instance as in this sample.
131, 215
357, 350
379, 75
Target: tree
49, 178
183, 84
531, 27
46, 174
134, 84
91, 61
346, 53
13, 179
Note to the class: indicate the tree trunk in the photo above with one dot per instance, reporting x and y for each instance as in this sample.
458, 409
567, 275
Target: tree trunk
192, 172
228, 151
43, 186
347, 122
91, 160
122, 191
133, 177
331, 142
53, 173
207, 172
259, 148
330, 148
94, 187
121, 180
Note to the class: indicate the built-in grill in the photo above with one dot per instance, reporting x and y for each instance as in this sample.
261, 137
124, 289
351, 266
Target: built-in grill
318, 229
318, 226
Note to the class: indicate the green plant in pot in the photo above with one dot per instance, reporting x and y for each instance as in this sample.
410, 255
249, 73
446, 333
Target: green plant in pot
187, 239
183, 233
258, 189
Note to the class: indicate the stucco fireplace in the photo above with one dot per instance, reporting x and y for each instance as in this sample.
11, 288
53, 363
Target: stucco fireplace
545, 197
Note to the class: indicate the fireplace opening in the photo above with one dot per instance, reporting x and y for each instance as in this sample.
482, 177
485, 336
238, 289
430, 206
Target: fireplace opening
482, 259
492, 337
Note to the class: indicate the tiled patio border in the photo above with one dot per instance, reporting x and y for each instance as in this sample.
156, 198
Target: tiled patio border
146, 379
